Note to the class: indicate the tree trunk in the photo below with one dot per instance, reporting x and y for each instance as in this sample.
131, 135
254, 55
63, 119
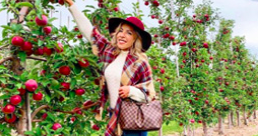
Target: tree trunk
229, 120
220, 125
160, 132
254, 114
238, 120
232, 118
21, 125
205, 129
185, 131
244, 116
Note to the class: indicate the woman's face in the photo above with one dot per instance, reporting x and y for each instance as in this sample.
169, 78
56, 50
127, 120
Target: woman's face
125, 37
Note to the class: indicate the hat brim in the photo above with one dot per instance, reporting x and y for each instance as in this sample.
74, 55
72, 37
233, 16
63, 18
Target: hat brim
113, 23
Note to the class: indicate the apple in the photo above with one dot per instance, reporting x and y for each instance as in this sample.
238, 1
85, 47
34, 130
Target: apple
76, 29
180, 124
39, 51
15, 99
166, 35
194, 16
194, 49
8, 109
59, 48
64, 70
56, 126
206, 16
31, 85
184, 54
172, 37
80, 36
61, 2
162, 71
72, 119
226, 83
65, 86
100, 5
22, 91
10, 120
146, 3
27, 46
155, 35
37, 96
47, 30
95, 127
77, 110
44, 116
17, 41
83, 63
211, 57
183, 43
207, 101
153, 16
41, 22
200, 121
42, 73
199, 21
221, 90
192, 121
116, 9
160, 21
202, 60
205, 45
47, 51
88, 102
154, 67
161, 88
173, 43
156, 3
184, 61
61, 99
80, 91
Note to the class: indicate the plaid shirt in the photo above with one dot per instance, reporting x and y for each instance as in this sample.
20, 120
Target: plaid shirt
136, 72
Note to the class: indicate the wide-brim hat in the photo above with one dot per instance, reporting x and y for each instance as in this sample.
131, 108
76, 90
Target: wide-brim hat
137, 24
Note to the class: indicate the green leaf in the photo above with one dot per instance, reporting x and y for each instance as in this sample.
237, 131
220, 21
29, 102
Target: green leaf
47, 98
51, 116
22, 56
73, 83
26, 4
38, 131
5, 96
3, 80
28, 133
72, 94
61, 93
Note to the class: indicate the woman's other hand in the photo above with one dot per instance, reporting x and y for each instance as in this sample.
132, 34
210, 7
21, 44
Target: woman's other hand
124, 91
70, 2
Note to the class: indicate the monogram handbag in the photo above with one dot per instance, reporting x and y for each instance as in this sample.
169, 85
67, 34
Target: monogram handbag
144, 116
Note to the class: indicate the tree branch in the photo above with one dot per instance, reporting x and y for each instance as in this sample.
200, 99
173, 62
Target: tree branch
37, 120
82, 108
5, 59
4, 46
38, 110
35, 58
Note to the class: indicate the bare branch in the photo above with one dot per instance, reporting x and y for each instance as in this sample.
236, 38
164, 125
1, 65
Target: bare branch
37, 120
82, 108
4, 46
35, 58
5, 59
39, 109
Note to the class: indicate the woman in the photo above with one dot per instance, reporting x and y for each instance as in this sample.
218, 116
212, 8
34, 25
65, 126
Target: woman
126, 73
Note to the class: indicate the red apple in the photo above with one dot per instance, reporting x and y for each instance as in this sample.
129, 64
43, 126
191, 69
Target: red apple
199, 121
166, 35
42, 73
10, 120
184, 61
206, 16
56, 126
194, 16
76, 29
194, 49
202, 60
156, 3
146, 3
161, 88
155, 35
77, 110
183, 43
173, 43
47, 30
22, 91
37, 96
221, 90
205, 45
61, 2
153, 16
72, 119
211, 58
83, 63
162, 71
47, 51
80, 36
31, 85
192, 121
207, 101
27, 46
41, 22
154, 67
59, 48
8, 109
39, 51
160, 21
172, 37
88, 102
61, 99
44, 116
15, 99
65, 86
184, 54
64, 70
17, 41
95, 127
116, 9
79, 91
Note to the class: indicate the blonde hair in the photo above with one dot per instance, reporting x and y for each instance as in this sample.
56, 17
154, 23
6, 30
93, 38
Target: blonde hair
135, 49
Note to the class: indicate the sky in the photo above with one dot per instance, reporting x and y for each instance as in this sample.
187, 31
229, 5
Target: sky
243, 12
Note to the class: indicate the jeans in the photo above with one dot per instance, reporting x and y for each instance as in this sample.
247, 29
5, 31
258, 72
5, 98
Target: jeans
134, 133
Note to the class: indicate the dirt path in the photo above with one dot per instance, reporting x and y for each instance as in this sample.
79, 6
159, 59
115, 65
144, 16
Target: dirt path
243, 130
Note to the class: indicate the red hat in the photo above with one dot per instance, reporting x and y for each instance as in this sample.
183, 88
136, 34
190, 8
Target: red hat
137, 24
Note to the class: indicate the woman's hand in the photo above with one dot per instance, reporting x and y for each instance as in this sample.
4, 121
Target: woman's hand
124, 91
70, 2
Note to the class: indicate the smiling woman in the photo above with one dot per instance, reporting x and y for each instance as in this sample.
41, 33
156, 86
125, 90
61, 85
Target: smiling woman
126, 73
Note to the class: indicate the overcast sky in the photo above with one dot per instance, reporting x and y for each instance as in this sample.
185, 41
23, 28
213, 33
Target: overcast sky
243, 12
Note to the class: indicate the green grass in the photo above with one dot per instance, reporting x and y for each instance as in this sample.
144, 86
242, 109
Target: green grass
168, 129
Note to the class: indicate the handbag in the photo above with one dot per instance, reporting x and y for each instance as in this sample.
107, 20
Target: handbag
145, 116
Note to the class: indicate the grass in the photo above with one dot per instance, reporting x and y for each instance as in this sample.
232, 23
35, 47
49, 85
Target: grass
168, 129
